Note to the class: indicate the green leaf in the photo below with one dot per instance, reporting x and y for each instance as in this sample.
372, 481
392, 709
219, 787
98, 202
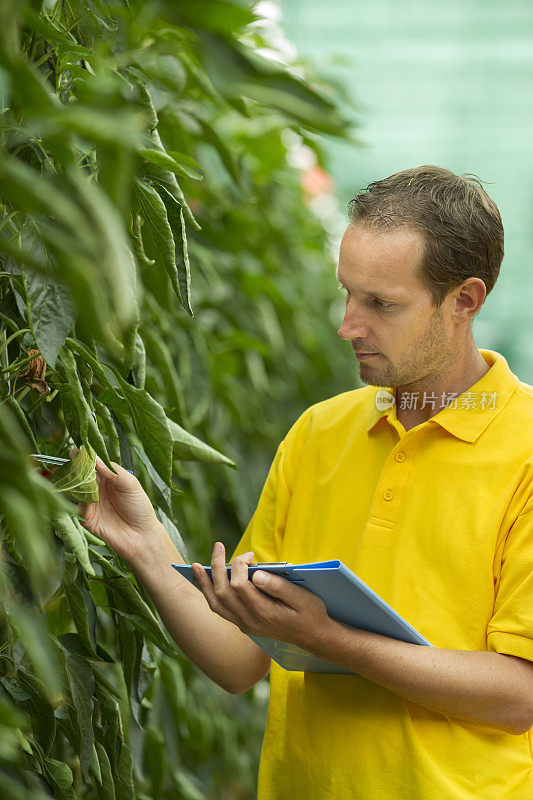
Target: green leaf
222, 16
138, 369
113, 733
50, 306
144, 98
107, 791
77, 479
184, 159
23, 420
59, 776
149, 631
29, 88
81, 604
75, 413
164, 488
189, 448
71, 532
131, 644
126, 598
154, 758
150, 423
110, 429
31, 628
52, 34
167, 161
161, 358
155, 215
101, 680
173, 532
174, 190
124, 788
39, 708
81, 682
15, 789
120, 127
52, 312
94, 766
181, 254
175, 689
188, 789
109, 245
73, 643
236, 71
96, 440
226, 156
24, 519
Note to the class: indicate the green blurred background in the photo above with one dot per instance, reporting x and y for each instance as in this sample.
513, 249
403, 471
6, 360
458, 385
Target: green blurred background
438, 83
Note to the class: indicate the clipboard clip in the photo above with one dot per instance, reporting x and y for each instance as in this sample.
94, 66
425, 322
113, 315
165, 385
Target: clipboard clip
268, 564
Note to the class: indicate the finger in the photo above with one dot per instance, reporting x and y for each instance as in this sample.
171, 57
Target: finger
226, 599
224, 594
203, 582
206, 587
239, 571
121, 478
101, 468
218, 569
280, 588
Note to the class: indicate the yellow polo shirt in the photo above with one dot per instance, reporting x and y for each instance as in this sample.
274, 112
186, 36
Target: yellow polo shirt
438, 521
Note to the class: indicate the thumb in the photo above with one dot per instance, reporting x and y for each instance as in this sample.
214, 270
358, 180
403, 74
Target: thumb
102, 469
278, 587
116, 477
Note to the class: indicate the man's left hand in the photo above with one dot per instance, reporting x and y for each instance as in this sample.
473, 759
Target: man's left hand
287, 612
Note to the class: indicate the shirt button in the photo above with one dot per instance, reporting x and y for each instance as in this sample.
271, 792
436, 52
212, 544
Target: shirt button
400, 457
388, 495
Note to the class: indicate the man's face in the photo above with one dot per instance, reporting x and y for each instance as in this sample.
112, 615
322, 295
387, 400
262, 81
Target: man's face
398, 335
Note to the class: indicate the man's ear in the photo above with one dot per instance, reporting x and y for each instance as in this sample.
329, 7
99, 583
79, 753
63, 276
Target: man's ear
468, 298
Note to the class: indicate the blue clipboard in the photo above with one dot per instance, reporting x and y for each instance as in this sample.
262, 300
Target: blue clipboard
347, 600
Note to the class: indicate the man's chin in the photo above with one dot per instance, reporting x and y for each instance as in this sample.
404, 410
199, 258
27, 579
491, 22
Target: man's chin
372, 376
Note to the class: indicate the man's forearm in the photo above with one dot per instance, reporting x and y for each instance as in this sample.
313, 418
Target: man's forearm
215, 645
482, 687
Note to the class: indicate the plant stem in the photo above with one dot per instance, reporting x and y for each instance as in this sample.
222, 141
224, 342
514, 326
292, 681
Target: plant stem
13, 336
23, 394
19, 364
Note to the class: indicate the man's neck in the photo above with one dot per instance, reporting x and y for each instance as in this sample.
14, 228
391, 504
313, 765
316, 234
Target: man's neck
421, 400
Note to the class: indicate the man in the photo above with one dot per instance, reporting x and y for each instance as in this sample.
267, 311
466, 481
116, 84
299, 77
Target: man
422, 484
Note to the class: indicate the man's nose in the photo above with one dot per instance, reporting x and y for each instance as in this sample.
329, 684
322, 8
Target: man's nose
353, 325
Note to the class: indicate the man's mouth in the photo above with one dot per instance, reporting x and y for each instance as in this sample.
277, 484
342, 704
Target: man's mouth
363, 355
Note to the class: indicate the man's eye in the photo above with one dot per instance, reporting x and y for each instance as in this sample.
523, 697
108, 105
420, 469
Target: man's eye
381, 303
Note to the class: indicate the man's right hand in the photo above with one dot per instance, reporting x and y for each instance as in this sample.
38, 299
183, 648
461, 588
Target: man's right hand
124, 516
126, 520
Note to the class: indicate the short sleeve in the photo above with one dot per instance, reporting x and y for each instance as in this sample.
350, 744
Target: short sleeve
510, 631
264, 534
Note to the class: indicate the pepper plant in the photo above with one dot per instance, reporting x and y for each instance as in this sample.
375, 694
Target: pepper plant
166, 303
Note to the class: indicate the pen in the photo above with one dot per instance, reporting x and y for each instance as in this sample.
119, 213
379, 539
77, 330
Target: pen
56, 460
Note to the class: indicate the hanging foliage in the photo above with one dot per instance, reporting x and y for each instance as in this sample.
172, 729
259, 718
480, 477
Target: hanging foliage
166, 303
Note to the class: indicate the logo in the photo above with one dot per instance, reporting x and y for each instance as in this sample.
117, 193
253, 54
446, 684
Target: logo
384, 400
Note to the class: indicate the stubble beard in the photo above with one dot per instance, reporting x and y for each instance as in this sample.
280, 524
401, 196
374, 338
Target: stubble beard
428, 354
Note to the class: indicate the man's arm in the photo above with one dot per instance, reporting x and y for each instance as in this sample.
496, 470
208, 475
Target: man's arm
478, 686
125, 519
216, 646
483, 687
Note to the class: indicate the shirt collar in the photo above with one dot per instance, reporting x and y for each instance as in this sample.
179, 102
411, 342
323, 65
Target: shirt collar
469, 413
